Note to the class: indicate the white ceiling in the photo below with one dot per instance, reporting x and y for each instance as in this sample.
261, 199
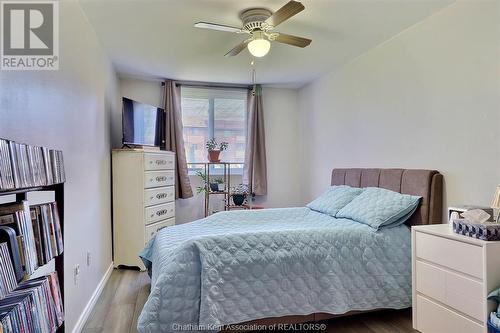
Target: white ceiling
156, 38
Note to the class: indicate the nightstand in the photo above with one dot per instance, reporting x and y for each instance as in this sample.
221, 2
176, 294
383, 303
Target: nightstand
451, 277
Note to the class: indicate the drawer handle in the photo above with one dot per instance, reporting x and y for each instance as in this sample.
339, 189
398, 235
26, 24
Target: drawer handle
161, 195
158, 162
162, 212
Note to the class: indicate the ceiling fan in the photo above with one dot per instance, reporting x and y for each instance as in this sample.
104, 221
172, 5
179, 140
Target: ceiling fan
259, 23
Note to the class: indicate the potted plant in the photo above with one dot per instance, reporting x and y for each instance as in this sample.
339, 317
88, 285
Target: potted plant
214, 149
214, 184
239, 194
204, 179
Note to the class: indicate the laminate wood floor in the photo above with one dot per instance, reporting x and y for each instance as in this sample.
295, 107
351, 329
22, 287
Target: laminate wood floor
126, 292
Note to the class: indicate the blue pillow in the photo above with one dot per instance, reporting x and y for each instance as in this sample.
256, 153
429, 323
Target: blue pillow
378, 207
334, 199
400, 220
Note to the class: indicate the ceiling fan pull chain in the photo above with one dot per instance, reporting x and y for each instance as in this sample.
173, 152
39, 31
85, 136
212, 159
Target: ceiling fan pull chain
254, 73
254, 76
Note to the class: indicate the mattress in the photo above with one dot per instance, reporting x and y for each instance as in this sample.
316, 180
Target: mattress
237, 266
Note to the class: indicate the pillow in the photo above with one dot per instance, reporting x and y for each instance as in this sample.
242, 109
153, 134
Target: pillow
334, 199
378, 207
400, 220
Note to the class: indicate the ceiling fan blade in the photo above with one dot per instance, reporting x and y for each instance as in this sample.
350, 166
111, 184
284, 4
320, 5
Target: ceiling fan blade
285, 12
293, 40
214, 26
238, 48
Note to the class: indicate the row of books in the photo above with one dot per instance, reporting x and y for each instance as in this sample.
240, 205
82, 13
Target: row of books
8, 280
38, 233
34, 306
47, 231
24, 166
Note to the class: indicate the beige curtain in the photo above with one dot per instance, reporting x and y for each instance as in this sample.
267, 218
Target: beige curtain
255, 169
174, 140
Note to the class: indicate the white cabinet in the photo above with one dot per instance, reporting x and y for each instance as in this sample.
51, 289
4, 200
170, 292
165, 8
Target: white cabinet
452, 275
143, 200
152, 229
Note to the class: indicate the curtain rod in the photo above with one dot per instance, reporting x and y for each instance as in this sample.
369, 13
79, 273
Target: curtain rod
211, 85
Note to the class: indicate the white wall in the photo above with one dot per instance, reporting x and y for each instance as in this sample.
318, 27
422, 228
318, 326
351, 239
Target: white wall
282, 145
427, 98
148, 92
281, 122
70, 110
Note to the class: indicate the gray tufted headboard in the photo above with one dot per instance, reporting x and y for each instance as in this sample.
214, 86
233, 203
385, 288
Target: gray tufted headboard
425, 183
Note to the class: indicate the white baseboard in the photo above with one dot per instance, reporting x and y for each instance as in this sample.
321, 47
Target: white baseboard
90, 305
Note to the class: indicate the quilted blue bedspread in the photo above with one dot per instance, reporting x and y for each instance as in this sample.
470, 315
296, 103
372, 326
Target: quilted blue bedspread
242, 265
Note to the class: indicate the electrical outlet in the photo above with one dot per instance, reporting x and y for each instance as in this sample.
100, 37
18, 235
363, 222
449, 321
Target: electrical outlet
89, 258
76, 274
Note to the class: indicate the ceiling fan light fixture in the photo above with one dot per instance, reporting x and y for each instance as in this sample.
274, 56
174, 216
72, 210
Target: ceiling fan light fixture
259, 25
259, 46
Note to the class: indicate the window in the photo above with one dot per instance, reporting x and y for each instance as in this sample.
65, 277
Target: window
214, 113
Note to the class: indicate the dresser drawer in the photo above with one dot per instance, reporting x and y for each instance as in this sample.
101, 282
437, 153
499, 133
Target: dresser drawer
158, 178
459, 292
159, 195
434, 318
152, 229
158, 161
462, 257
159, 212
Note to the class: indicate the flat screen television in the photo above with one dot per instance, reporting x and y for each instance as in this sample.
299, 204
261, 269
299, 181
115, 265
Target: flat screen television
142, 124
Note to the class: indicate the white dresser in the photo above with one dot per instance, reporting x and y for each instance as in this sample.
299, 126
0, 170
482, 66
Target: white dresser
143, 200
452, 276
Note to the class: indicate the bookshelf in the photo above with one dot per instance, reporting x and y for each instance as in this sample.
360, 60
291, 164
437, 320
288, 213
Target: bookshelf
40, 172
58, 189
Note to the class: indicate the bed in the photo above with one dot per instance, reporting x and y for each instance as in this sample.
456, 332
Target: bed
285, 265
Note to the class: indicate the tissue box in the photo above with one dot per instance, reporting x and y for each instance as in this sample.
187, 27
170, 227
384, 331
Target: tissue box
463, 208
483, 231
